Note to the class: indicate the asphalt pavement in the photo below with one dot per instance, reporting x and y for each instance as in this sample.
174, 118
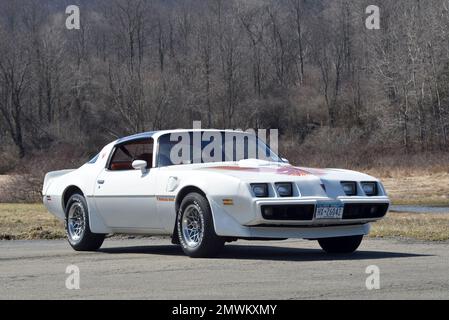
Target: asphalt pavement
152, 268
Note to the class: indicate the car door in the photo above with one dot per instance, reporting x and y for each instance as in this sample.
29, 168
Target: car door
124, 196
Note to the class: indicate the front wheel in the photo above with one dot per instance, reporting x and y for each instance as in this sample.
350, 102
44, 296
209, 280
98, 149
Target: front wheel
195, 227
340, 244
77, 226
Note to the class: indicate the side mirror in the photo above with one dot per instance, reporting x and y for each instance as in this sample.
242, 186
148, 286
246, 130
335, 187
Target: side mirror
140, 165
285, 160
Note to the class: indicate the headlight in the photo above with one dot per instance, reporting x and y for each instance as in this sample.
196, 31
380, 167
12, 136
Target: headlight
260, 190
370, 188
349, 187
284, 189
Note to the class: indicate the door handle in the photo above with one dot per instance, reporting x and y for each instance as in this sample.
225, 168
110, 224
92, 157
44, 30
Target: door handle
100, 181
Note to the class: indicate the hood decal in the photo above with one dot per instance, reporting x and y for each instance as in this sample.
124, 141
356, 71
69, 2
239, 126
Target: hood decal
286, 170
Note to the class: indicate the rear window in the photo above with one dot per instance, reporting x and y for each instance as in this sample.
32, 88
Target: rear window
94, 159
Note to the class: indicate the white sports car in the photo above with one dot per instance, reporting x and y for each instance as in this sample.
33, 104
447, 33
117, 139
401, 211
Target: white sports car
204, 189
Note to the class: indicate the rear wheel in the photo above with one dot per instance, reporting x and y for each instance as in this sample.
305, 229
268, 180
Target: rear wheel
195, 227
340, 244
77, 226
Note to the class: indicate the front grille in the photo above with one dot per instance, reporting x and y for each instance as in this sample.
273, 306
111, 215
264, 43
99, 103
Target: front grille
288, 212
305, 212
364, 210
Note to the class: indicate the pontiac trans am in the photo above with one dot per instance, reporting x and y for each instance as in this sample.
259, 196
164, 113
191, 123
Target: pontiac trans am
135, 186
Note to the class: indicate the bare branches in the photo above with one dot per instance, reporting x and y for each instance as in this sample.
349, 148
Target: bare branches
300, 66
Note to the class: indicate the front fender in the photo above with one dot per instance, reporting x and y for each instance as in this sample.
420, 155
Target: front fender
225, 224
216, 188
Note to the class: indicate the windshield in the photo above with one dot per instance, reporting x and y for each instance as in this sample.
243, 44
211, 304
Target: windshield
211, 146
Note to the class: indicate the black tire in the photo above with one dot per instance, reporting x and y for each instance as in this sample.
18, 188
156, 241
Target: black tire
208, 244
340, 244
87, 241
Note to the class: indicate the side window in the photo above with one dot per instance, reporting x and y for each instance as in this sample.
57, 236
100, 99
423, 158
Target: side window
126, 153
165, 149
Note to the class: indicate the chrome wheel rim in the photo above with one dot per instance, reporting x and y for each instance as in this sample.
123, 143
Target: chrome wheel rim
76, 224
192, 225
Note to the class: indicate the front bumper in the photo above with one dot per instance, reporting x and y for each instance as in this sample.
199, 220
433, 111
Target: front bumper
244, 221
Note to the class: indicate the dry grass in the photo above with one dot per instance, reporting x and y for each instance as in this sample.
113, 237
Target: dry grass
426, 226
32, 221
419, 189
28, 221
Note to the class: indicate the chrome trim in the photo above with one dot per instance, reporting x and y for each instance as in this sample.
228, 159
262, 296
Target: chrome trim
121, 196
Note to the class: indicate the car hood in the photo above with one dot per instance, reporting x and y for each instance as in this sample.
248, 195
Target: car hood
257, 170
311, 181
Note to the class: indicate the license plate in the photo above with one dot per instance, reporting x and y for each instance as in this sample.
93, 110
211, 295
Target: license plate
329, 210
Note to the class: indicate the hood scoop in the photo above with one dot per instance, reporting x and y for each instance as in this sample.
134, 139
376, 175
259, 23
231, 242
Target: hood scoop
256, 163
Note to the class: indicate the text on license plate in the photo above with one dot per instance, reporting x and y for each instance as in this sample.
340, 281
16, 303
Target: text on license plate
329, 210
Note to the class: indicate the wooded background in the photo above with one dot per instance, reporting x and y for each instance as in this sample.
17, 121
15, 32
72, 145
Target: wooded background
340, 94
